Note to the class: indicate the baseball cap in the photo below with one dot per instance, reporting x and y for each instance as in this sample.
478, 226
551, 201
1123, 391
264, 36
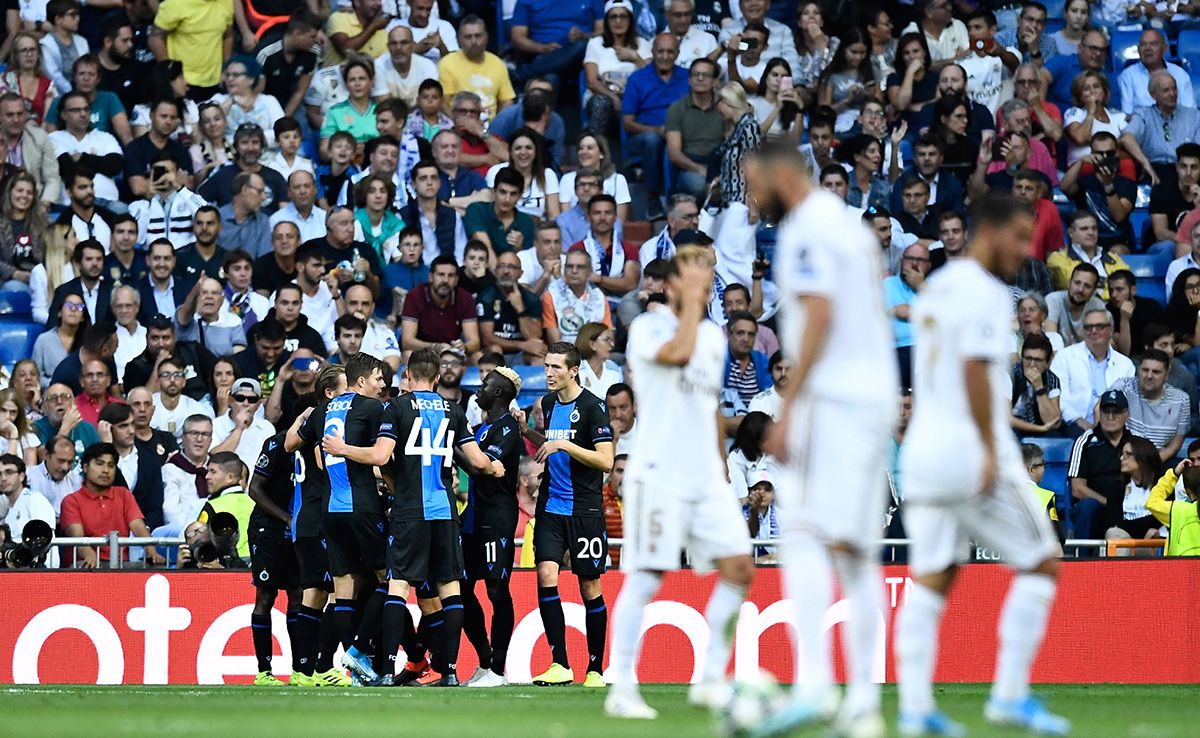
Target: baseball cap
459, 353
760, 476
1114, 398
689, 236
247, 385
614, 4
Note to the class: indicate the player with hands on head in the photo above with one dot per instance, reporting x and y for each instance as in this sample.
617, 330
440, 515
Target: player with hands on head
676, 488
976, 488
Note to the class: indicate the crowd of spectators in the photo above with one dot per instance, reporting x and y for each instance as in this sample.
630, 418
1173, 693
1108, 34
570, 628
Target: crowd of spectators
207, 202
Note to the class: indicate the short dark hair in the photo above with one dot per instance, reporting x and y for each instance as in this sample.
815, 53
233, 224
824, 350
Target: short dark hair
1123, 275
241, 181
775, 360
739, 315
425, 164
1079, 215
55, 9
370, 146
237, 256
308, 251
534, 105
431, 84
1153, 354
269, 329
656, 269
82, 246
511, 177
475, 245
567, 350
445, 260
95, 336
349, 322
1038, 341
303, 19
616, 389
360, 366
602, 197
228, 461
285, 124
833, 169
735, 287
1086, 268
1191, 150
996, 209
116, 413
424, 364
15, 460
96, 450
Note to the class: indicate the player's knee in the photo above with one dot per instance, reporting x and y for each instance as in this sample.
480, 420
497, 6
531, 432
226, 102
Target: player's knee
547, 574
738, 570
590, 588
429, 605
264, 599
497, 591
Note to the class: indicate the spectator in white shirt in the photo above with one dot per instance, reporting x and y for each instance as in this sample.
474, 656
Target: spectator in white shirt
1087, 369
131, 335
301, 207
433, 37
185, 484
1134, 82
694, 41
945, 35
56, 477
171, 406
97, 150
769, 401
379, 340
399, 73
24, 504
241, 430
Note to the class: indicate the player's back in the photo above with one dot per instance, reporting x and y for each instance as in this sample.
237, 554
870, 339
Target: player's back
276, 467
963, 313
568, 486
824, 249
427, 428
677, 405
357, 419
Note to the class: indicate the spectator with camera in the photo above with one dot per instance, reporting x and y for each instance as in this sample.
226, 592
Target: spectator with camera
24, 504
101, 506
201, 550
185, 475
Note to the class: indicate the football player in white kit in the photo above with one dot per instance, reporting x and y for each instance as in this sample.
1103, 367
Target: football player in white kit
676, 489
833, 435
963, 476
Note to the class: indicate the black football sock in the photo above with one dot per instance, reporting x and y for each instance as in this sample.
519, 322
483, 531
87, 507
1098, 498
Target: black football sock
292, 616
413, 643
555, 624
596, 620
473, 625
343, 621
502, 623
260, 629
433, 639
327, 639
453, 608
396, 622
368, 628
304, 647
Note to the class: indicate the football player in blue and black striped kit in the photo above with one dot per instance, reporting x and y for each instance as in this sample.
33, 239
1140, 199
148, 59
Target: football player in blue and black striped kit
353, 519
577, 450
424, 538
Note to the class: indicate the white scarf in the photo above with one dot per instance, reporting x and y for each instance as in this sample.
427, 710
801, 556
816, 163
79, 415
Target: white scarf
574, 312
594, 250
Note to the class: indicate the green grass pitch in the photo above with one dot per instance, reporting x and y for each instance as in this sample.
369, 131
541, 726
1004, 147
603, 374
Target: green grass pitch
1097, 711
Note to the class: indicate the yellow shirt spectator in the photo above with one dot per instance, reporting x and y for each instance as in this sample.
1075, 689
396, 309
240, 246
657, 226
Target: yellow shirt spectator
1062, 262
488, 78
526, 561
195, 31
346, 21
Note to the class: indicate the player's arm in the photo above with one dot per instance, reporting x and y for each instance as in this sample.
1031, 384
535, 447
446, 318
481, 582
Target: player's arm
294, 440
377, 455
258, 486
476, 462
817, 315
1157, 502
979, 402
601, 457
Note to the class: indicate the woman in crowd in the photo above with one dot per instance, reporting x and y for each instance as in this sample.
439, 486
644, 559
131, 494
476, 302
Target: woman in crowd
1031, 314
848, 79
168, 83
883, 45
1090, 114
22, 228
46, 277
224, 374
26, 381
597, 371
380, 224
912, 86
744, 137
355, 114
746, 455
243, 103
814, 47
1076, 15
868, 186
26, 77
1141, 468
592, 151
12, 413
951, 117
1183, 317
607, 63
526, 154
777, 105
212, 148
57, 344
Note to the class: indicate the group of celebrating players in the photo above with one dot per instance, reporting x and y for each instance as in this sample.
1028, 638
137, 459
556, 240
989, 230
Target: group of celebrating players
961, 465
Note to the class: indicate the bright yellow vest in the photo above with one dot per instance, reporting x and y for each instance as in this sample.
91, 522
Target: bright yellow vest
1183, 539
1046, 498
233, 500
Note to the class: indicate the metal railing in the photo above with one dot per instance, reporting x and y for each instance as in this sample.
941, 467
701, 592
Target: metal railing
115, 546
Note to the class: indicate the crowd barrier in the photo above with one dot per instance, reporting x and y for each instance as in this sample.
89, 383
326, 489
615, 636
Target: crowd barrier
1115, 621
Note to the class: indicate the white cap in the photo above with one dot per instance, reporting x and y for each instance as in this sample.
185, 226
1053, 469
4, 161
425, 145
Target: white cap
613, 4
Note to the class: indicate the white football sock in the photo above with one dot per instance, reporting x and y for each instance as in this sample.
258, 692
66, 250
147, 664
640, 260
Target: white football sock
637, 591
916, 647
809, 586
1022, 625
721, 616
862, 585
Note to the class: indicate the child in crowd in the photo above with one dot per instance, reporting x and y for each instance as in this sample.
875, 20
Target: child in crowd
1179, 515
428, 118
331, 176
410, 270
63, 45
285, 158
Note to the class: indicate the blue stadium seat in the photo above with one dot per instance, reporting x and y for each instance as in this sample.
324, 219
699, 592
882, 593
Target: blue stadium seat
533, 382
1139, 220
15, 304
16, 340
1189, 45
1054, 25
1124, 48
1151, 272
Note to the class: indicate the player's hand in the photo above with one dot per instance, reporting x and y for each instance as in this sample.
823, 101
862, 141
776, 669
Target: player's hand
497, 468
775, 442
334, 445
1185, 464
548, 448
519, 416
987, 476
301, 418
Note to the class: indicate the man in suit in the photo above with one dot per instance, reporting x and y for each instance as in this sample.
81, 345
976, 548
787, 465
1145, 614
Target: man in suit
36, 150
164, 290
90, 285
161, 343
139, 469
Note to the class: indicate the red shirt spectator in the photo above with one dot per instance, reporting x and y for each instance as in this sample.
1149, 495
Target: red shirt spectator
1047, 230
94, 382
440, 311
99, 506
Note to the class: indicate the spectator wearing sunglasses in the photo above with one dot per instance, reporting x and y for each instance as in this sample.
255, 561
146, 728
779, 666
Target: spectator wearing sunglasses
241, 429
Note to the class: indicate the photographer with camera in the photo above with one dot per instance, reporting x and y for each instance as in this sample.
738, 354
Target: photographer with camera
25, 507
203, 550
99, 506
227, 494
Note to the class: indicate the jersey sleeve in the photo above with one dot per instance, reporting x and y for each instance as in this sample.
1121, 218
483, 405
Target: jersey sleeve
458, 424
266, 458
503, 440
812, 270
981, 333
308, 431
598, 425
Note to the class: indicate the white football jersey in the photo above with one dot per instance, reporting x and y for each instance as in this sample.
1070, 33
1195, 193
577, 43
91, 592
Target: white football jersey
677, 405
963, 313
824, 249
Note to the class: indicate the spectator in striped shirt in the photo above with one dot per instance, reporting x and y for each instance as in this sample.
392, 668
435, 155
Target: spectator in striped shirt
1157, 411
